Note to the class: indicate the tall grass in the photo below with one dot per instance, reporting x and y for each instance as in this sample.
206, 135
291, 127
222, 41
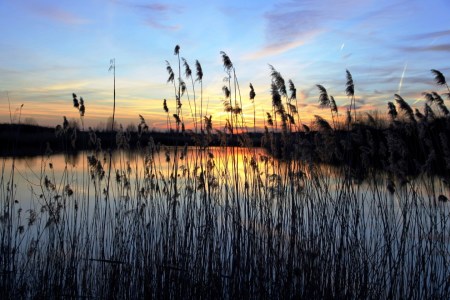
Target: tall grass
233, 222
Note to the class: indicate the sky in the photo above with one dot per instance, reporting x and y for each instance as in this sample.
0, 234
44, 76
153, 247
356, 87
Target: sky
51, 49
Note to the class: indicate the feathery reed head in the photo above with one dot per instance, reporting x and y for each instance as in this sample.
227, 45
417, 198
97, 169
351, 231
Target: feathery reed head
226, 92
177, 118
166, 109
392, 111
187, 68
405, 107
429, 114
437, 98
293, 90
183, 87
322, 124
75, 100
276, 97
350, 87
419, 115
82, 108
170, 71
278, 80
269, 119
428, 96
324, 100
199, 71
440, 103
227, 106
176, 51
333, 105
227, 64
439, 78
252, 93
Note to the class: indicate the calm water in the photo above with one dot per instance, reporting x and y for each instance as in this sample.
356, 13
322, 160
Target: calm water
225, 173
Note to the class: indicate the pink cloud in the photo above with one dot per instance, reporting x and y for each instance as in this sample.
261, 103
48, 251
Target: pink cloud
58, 15
156, 14
281, 47
157, 25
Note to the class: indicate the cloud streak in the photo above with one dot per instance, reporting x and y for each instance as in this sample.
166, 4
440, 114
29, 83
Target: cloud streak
428, 35
58, 15
278, 48
433, 48
156, 14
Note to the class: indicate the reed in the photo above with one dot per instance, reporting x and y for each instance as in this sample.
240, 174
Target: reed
236, 222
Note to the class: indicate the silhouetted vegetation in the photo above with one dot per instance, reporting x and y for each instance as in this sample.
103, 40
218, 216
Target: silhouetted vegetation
231, 221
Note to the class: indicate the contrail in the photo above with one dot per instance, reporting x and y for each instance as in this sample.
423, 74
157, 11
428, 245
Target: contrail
342, 46
401, 79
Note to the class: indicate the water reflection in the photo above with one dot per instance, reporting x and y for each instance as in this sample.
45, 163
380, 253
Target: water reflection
226, 211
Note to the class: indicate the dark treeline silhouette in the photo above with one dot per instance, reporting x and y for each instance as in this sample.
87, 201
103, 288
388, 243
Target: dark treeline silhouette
33, 140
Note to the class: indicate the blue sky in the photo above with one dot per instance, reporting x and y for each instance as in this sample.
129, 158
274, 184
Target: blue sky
51, 49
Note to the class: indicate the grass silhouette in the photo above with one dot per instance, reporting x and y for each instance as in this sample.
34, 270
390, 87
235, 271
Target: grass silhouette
357, 209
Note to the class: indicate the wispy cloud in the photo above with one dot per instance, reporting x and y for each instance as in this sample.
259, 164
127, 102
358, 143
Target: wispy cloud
156, 14
428, 35
58, 15
435, 48
158, 25
278, 48
284, 27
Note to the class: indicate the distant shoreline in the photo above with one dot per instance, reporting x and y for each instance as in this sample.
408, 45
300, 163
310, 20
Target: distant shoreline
32, 140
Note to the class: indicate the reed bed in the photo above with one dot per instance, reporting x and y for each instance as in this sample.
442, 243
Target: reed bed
221, 222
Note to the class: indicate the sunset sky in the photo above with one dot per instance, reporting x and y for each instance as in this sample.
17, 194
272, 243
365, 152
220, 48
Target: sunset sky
51, 49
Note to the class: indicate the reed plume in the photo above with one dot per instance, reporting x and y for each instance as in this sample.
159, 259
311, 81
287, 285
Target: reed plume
439, 78
170, 71
404, 106
276, 97
333, 105
278, 80
324, 100
176, 51
227, 64
429, 114
392, 111
199, 71
350, 91
199, 78
419, 115
82, 108
293, 90
75, 100
252, 96
187, 68
252, 93
322, 124
440, 103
